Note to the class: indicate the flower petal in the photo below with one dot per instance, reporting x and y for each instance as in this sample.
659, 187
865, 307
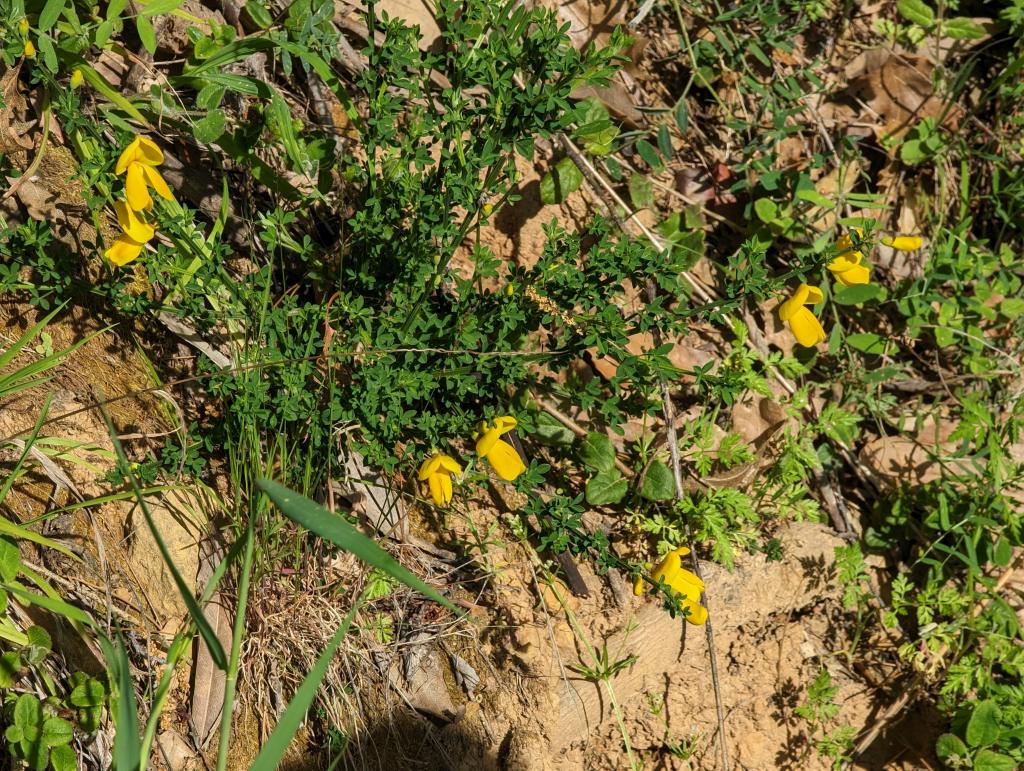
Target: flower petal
794, 303
806, 328
148, 152
135, 188
814, 295
504, 424
697, 613
505, 460
639, 586
157, 182
904, 243
128, 156
449, 464
436, 482
855, 274
487, 441
133, 227
429, 466
123, 251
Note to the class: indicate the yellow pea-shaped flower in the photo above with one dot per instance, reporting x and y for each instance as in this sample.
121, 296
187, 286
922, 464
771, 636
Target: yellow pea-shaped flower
681, 581
500, 454
437, 471
802, 323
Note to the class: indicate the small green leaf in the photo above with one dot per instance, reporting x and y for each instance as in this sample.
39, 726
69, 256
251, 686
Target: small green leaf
557, 184
57, 731
91, 693
665, 141
210, 128
210, 96
641, 191
916, 11
606, 487
551, 432
146, 33
766, 210
47, 51
14, 734
987, 760
983, 727
867, 342
658, 484
1003, 552
28, 712
682, 115
258, 13
49, 15
1012, 307
646, 151
10, 560
39, 637
10, 670
63, 758
950, 746
597, 451
961, 28
859, 293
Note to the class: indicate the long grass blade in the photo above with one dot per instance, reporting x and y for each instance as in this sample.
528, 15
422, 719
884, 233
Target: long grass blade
279, 739
201, 621
333, 528
127, 755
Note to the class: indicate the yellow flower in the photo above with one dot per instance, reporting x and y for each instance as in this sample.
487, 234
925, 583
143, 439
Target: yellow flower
437, 471
30, 50
501, 455
76, 78
846, 266
488, 208
904, 243
804, 325
123, 251
680, 580
140, 160
133, 227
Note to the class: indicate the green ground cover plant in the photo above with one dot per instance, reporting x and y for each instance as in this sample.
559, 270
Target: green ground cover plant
348, 309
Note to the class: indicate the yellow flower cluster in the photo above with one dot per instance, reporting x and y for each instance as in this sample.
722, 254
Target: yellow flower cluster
847, 269
686, 585
138, 163
437, 470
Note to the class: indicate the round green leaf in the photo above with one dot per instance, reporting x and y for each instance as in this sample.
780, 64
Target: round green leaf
63, 758
987, 760
210, 128
641, 191
950, 746
57, 731
562, 180
606, 487
983, 727
597, 451
658, 484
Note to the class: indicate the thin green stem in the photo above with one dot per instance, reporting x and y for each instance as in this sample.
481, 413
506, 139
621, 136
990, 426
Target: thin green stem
231, 680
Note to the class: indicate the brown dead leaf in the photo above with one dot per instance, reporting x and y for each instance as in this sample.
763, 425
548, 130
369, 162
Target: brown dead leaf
208, 680
12, 127
897, 90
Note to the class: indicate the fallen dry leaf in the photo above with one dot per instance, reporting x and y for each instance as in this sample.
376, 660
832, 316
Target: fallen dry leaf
897, 90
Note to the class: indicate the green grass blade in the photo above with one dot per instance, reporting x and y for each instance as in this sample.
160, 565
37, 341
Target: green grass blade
333, 528
127, 755
201, 621
59, 607
279, 739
